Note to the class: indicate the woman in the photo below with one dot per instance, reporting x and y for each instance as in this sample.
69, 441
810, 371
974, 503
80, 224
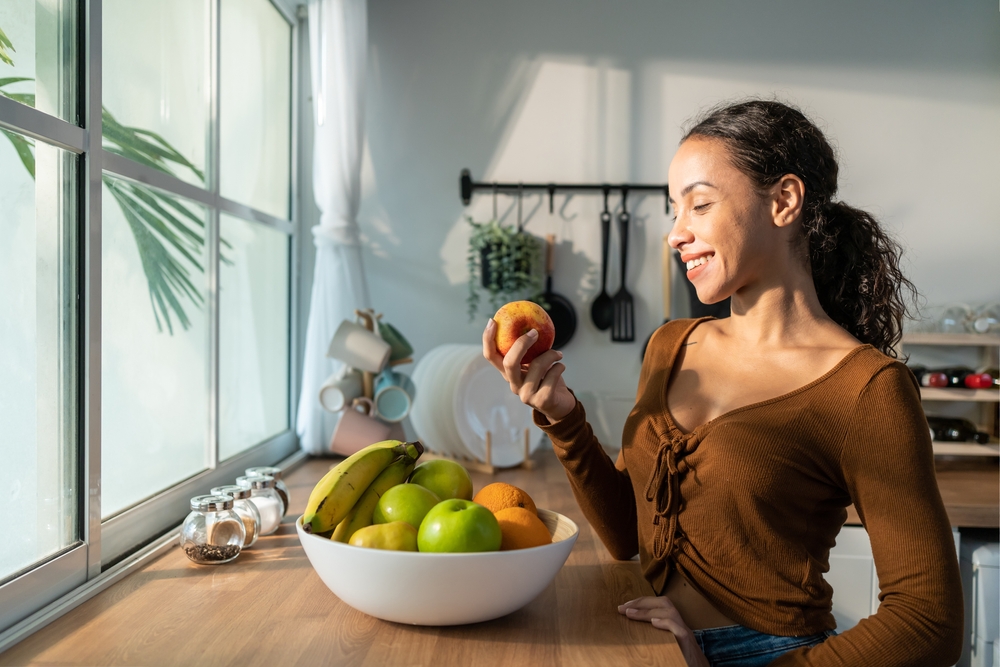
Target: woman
752, 434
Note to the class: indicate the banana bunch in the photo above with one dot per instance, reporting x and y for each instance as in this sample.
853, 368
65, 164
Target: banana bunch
345, 492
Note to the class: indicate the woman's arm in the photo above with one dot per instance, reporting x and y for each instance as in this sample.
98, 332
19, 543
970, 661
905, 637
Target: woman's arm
888, 468
602, 489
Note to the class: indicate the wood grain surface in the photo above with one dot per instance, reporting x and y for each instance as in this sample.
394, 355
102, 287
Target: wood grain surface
270, 608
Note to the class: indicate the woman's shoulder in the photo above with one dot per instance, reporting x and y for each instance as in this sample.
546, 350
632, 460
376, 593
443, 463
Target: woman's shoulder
663, 341
873, 372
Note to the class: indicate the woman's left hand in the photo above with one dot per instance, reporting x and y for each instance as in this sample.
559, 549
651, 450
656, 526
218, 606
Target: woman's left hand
662, 614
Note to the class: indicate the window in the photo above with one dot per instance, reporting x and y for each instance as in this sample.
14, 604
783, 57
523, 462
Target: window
147, 258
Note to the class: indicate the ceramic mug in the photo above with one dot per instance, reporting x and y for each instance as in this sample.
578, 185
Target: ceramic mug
355, 429
359, 348
340, 389
394, 393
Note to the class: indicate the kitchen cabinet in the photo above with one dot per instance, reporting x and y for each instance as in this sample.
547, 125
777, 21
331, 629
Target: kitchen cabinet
853, 577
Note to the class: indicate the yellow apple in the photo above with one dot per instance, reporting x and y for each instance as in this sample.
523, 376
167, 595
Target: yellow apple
517, 318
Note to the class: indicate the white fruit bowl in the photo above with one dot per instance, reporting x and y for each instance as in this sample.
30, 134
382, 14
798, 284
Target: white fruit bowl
435, 588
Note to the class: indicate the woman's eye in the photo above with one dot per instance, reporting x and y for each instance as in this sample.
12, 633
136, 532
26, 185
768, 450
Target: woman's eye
702, 207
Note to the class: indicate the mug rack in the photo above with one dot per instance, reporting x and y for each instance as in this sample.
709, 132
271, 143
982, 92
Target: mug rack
485, 466
368, 319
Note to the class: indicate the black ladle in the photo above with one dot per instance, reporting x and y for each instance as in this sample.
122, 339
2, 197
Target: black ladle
602, 311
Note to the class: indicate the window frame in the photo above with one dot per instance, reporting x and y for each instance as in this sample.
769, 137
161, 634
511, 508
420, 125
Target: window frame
110, 547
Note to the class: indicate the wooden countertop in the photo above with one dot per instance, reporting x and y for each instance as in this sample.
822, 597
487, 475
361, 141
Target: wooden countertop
270, 608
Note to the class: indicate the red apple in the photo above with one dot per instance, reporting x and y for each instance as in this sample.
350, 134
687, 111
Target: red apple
517, 318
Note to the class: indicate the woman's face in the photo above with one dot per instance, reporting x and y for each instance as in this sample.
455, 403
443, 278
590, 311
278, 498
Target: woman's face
723, 226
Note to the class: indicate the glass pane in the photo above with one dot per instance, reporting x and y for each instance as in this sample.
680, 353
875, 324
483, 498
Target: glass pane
38, 414
38, 55
255, 106
154, 346
253, 334
156, 83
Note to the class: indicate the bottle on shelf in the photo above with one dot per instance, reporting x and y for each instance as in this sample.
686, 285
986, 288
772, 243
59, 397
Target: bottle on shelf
965, 377
954, 429
993, 372
928, 378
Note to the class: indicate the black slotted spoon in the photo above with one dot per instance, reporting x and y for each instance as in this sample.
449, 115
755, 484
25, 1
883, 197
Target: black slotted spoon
623, 327
602, 311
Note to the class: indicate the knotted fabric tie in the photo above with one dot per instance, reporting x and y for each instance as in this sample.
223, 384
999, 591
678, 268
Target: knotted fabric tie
663, 489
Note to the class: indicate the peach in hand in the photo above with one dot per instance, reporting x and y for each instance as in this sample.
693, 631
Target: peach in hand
517, 318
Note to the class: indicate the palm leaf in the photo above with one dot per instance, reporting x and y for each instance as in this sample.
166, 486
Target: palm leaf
4, 46
166, 275
23, 146
166, 231
6, 81
170, 237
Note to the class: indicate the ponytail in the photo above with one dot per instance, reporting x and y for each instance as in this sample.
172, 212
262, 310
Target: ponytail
855, 267
854, 263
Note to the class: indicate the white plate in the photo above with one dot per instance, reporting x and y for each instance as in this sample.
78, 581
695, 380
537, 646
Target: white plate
422, 414
454, 365
483, 400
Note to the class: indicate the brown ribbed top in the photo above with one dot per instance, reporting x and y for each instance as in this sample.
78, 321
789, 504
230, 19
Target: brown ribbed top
747, 506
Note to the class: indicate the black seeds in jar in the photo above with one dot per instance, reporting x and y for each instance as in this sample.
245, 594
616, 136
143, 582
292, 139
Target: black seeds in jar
207, 553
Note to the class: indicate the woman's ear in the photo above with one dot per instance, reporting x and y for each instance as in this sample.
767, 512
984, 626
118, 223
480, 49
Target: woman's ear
789, 194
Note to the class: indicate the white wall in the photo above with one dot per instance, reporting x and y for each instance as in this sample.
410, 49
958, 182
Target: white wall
909, 92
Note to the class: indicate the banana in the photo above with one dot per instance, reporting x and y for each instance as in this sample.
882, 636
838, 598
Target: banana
334, 495
360, 515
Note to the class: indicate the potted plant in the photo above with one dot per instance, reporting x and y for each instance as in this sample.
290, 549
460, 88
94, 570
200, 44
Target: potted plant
503, 262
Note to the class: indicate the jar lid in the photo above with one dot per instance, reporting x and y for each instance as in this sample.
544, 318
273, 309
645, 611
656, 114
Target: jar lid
265, 470
212, 503
256, 482
234, 490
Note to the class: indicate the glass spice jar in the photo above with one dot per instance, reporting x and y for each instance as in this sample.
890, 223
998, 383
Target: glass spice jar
279, 483
212, 533
245, 510
266, 498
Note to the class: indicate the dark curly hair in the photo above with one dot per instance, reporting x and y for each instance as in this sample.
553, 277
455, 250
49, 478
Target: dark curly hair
854, 263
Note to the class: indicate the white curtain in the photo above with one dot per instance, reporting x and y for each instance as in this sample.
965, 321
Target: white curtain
338, 47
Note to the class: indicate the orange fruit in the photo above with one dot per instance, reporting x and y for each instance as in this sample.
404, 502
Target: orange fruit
498, 496
521, 528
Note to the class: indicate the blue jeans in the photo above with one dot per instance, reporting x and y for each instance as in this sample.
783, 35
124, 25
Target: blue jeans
736, 646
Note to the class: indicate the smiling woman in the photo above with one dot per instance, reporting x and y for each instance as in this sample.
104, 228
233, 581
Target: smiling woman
751, 434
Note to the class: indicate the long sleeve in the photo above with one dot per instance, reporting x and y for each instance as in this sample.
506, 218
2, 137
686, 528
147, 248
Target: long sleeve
602, 487
888, 469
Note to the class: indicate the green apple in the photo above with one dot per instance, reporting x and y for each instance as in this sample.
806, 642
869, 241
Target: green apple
458, 525
405, 502
445, 478
395, 536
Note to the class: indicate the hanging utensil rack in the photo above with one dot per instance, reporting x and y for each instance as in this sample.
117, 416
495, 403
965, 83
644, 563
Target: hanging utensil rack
467, 187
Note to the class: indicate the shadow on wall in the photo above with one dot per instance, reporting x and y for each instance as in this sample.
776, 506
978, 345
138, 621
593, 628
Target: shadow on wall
518, 90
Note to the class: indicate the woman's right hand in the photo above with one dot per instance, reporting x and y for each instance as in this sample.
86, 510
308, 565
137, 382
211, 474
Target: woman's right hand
539, 384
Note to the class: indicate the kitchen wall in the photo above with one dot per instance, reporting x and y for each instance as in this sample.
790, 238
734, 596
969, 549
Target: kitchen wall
909, 93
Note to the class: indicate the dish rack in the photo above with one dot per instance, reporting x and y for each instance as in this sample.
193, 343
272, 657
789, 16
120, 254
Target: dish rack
486, 466
987, 399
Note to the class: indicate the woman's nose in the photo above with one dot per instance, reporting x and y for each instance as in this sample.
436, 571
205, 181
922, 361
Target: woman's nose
679, 233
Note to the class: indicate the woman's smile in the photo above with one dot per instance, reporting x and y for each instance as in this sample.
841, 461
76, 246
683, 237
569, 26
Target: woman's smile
696, 264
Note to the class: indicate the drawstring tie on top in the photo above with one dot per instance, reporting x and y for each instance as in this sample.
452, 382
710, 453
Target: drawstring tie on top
663, 490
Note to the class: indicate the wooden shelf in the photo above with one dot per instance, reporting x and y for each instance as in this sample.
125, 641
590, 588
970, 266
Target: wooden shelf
967, 339
965, 449
943, 394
